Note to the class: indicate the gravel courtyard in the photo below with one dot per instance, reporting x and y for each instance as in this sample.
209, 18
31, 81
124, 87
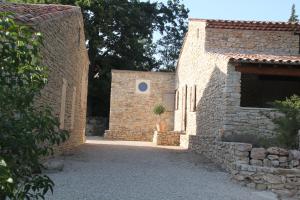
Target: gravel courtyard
104, 170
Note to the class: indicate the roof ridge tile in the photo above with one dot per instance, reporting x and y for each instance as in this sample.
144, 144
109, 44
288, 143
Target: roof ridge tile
35, 12
250, 25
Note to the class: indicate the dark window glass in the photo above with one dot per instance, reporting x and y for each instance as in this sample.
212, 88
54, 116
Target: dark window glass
260, 91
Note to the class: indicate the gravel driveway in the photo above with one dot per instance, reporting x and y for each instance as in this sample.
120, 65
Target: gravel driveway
103, 170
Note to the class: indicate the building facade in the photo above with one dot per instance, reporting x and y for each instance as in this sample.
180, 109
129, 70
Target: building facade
227, 74
64, 53
234, 69
133, 96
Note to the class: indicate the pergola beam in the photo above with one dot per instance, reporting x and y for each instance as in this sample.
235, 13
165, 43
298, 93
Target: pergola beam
273, 70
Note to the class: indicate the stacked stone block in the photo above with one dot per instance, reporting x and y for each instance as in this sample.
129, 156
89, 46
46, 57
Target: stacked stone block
275, 157
253, 167
170, 138
243, 120
281, 181
129, 135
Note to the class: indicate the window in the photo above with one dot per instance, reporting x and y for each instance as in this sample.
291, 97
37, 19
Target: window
193, 99
261, 90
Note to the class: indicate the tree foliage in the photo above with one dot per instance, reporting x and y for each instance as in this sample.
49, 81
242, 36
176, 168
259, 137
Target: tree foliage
294, 16
27, 132
120, 35
288, 124
130, 35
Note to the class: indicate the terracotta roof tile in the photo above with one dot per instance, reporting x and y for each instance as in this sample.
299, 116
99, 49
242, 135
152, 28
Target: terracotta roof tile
250, 25
34, 12
263, 58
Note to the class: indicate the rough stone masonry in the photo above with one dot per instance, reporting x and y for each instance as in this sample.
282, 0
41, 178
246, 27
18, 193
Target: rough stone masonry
131, 111
208, 87
65, 55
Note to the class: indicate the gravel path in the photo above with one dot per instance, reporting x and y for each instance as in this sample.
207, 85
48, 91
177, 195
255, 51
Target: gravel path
102, 170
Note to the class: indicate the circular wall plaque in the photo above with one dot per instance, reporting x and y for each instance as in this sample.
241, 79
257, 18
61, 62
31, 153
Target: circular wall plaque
143, 86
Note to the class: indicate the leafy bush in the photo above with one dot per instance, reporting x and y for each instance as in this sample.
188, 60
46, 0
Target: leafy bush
27, 132
159, 109
6, 182
287, 124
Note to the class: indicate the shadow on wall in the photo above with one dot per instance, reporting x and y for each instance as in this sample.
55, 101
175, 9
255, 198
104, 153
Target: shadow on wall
210, 108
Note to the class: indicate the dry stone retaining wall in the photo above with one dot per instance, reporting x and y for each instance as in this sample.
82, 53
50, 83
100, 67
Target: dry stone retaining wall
254, 167
285, 182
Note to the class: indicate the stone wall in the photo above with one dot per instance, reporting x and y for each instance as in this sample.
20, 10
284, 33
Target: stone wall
225, 154
207, 73
128, 135
251, 41
274, 168
243, 120
170, 138
65, 54
284, 182
131, 111
254, 167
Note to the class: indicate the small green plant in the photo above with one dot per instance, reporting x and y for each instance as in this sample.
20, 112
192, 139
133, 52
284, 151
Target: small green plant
287, 124
159, 109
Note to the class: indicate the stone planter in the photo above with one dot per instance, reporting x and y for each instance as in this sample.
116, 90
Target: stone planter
169, 138
161, 126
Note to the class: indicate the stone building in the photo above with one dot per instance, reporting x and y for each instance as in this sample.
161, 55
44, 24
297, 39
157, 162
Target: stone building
133, 97
227, 74
65, 54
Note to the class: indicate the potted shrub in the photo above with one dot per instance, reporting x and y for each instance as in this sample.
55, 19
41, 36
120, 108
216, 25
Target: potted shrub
161, 125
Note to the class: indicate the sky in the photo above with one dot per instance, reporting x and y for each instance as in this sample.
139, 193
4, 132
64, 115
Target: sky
263, 10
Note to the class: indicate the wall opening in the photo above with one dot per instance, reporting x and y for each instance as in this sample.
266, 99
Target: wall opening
260, 90
63, 104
